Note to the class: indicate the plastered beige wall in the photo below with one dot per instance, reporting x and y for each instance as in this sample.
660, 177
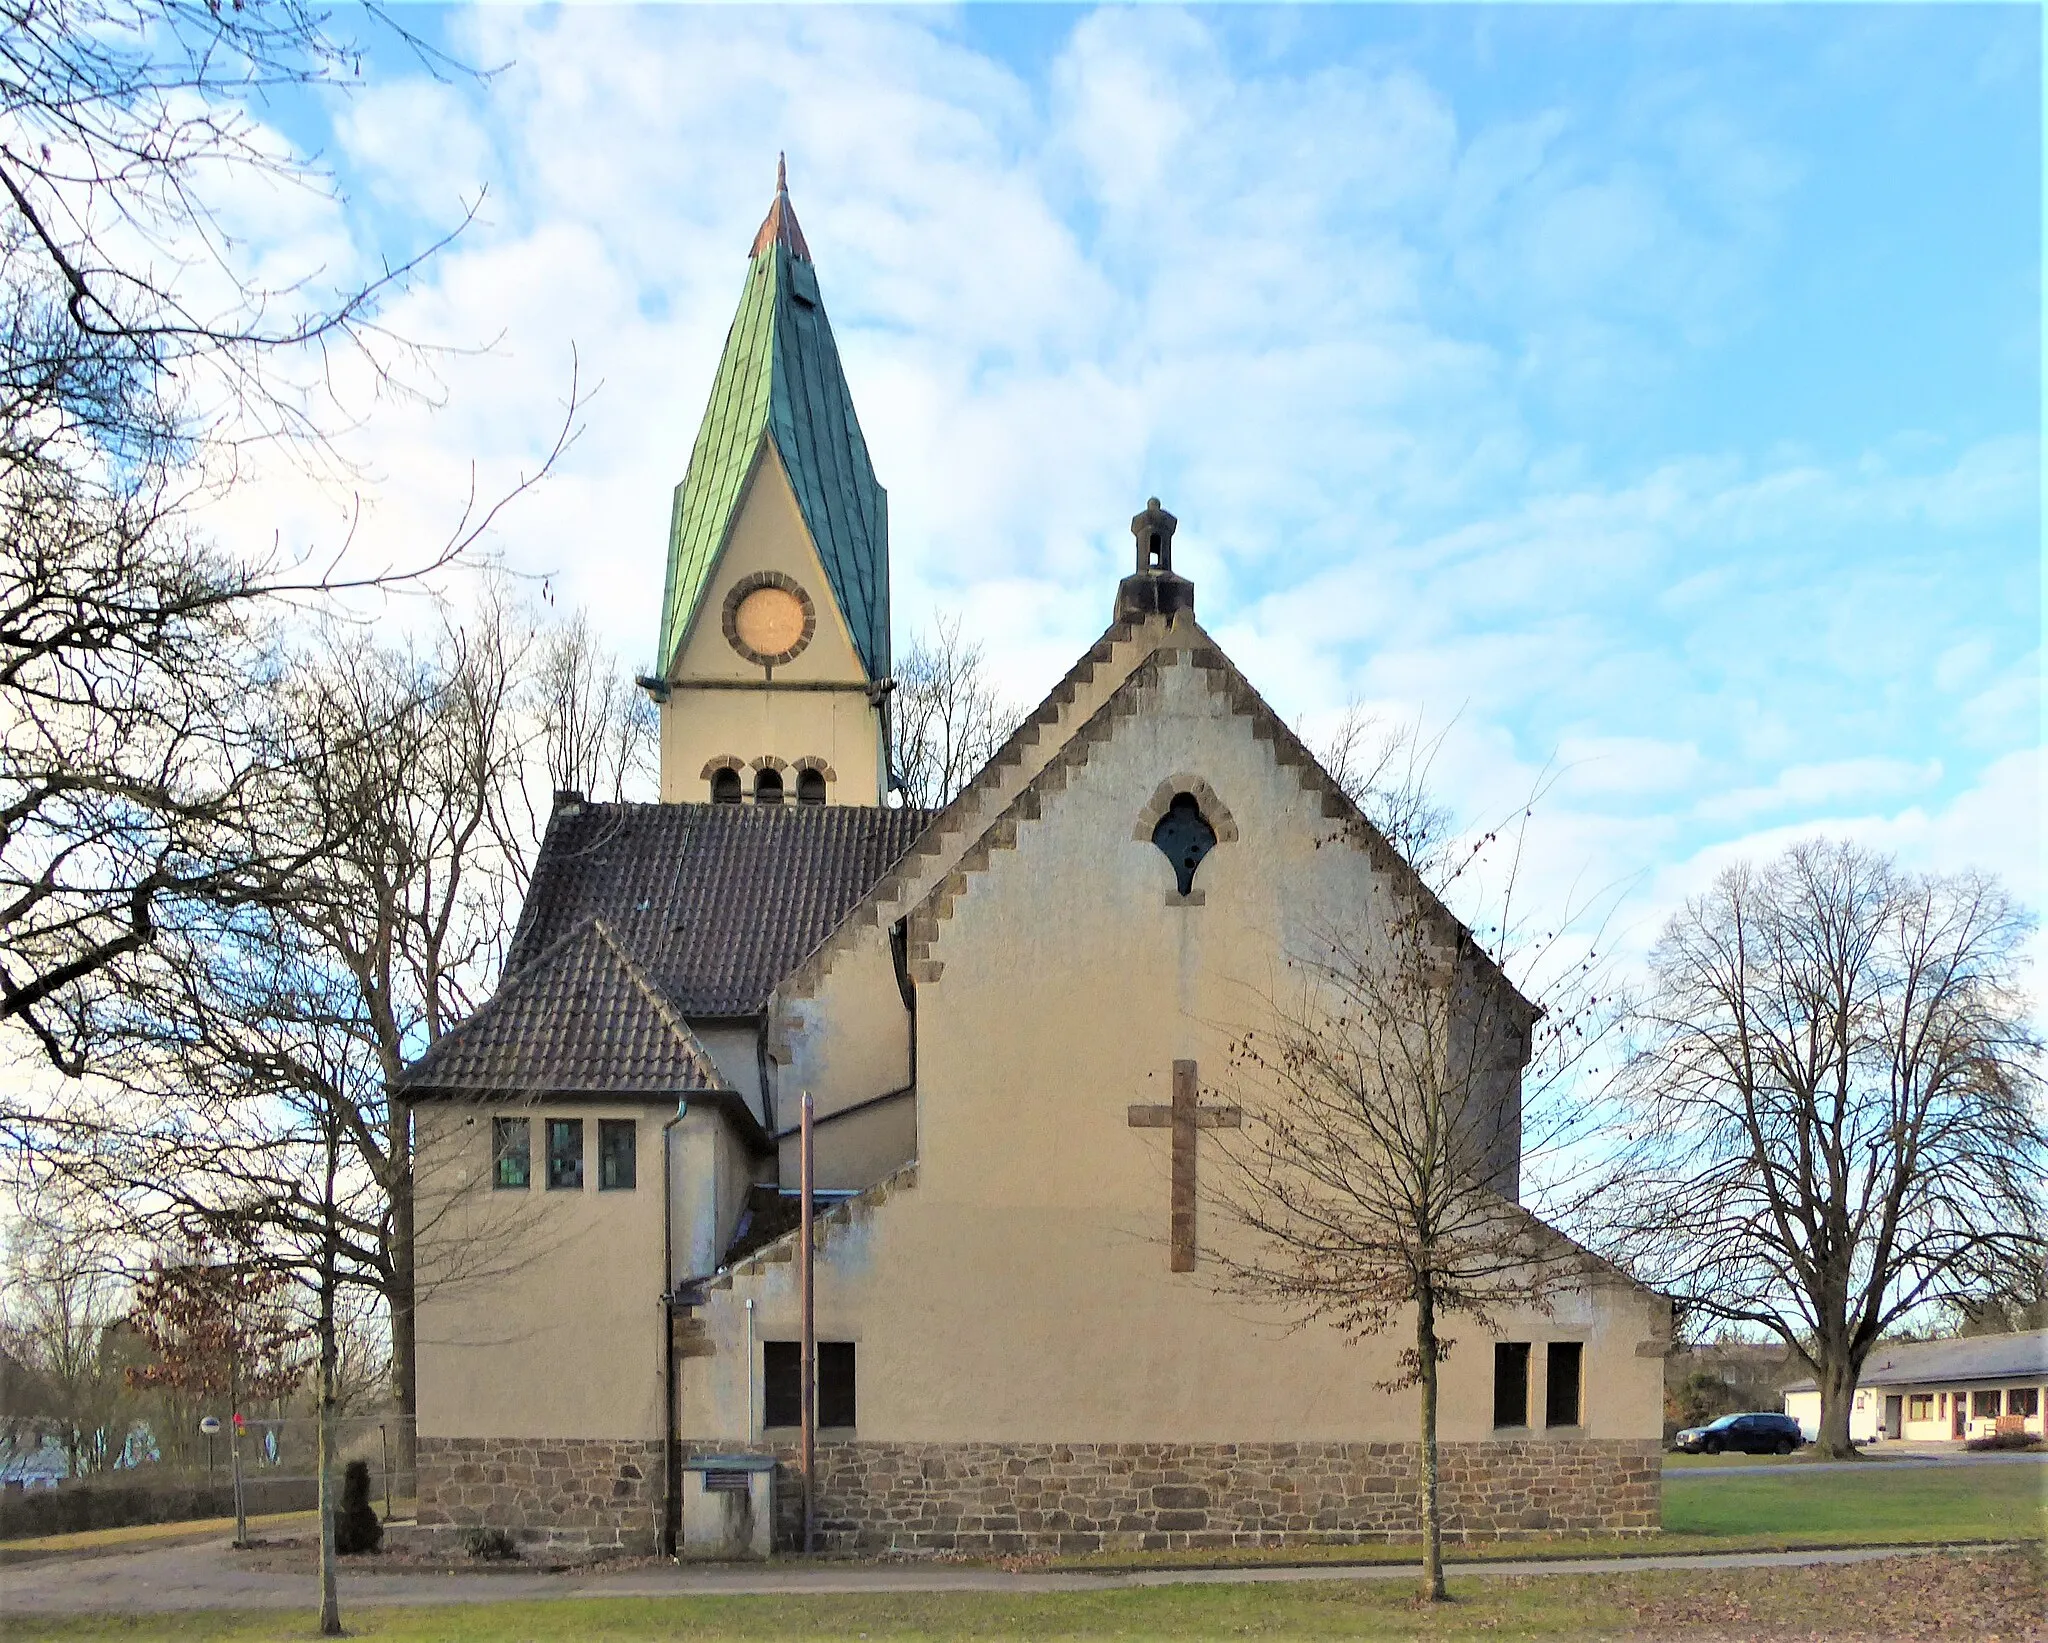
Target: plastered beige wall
539, 1313
847, 1045
779, 719
736, 1049
859, 1149
1020, 1289
711, 1171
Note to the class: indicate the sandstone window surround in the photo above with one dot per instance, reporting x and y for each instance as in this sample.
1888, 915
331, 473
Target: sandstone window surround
1185, 820
812, 778
511, 1154
565, 1154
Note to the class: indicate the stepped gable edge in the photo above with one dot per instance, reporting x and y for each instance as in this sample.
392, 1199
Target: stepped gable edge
903, 882
781, 1250
1184, 634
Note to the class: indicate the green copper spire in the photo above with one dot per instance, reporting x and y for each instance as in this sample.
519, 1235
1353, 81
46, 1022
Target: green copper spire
780, 375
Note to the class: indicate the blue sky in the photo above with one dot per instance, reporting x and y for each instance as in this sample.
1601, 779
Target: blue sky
1652, 394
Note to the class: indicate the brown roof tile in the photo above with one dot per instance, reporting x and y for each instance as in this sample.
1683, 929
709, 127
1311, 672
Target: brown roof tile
717, 902
582, 1016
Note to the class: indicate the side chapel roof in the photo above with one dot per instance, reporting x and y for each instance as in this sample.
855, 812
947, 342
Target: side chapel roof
582, 1016
779, 381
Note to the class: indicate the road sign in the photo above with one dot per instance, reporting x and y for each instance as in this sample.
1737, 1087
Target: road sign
209, 1424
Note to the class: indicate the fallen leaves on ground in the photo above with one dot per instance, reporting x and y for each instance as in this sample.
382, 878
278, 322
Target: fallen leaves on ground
1998, 1596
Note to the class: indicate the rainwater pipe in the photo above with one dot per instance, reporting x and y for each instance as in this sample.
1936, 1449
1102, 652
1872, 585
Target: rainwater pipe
671, 1448
750, 1369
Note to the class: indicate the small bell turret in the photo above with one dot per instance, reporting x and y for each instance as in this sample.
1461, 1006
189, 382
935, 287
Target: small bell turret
1152, 589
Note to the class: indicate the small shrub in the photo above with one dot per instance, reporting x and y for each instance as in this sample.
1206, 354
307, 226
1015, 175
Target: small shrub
490, 1545
2006, 1440
356, 1529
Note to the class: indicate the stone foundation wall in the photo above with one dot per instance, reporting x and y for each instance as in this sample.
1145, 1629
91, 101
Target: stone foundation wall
1086, 1497
572, 1493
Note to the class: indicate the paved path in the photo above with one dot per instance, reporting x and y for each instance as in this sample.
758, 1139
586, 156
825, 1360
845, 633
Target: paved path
205, 1577
1888, 1463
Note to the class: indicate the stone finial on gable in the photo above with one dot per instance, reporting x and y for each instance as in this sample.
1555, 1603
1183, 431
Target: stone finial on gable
1153, 589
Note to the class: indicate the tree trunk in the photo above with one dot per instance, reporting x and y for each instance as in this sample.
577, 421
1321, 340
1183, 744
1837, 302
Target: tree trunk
1837, 1397
1432, 1504
403, 1294
330, 1595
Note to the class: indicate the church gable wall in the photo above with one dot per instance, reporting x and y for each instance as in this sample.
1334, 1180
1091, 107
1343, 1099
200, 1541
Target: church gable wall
838, 1026
1021, 1293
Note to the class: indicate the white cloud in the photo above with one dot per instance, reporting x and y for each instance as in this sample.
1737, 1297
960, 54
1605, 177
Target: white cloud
1312, 310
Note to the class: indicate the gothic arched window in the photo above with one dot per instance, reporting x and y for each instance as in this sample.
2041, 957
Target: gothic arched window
768, 786
725, 785
810, 787
1185, 837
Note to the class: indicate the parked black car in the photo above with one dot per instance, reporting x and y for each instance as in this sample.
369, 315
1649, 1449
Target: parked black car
1755, 1434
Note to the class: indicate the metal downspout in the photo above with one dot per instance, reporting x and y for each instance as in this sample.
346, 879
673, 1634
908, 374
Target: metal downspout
671, 1447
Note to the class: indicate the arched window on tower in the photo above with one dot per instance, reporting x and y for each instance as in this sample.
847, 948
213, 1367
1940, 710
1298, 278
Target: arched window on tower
1185, 837
768, 785
810, 787
725, 785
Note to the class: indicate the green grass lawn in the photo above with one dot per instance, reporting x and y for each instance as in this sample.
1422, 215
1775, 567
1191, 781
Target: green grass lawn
1917, 1503
1953, 1596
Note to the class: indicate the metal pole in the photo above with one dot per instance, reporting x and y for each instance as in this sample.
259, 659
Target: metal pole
752, 1429
235, 1447
808, 1351
235, 1458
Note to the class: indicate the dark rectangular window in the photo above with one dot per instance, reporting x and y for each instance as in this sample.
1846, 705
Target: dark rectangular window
1561, 1388
511, 1152
1983, 1405
2023, 1400
565, 1153
615, 1141
782, 1401
1510, 1383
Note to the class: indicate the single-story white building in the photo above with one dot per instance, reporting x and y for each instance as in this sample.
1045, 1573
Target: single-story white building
1941, 1390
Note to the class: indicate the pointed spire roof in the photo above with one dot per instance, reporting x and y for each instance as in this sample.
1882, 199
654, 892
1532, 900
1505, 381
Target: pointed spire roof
779, 381
780, 227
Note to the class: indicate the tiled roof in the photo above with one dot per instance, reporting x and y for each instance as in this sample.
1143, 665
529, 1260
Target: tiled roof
716, 902
2020, 1356
780, 377
580, 1016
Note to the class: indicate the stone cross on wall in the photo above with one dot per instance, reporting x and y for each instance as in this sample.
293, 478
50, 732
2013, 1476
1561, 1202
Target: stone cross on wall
1184, 1117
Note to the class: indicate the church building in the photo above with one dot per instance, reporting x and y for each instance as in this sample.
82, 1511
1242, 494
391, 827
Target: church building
1013, 1016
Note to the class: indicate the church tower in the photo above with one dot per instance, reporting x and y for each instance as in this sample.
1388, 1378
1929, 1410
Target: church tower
774, 658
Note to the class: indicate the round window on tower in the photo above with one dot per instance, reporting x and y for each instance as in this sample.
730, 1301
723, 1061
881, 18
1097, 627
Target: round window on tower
769, 618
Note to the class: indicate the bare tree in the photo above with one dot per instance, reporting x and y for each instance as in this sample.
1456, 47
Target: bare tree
227, 1047
1375, 1171
598, 729
946, 720
1836, 1099
1385, 770
65, 1295
140, 356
